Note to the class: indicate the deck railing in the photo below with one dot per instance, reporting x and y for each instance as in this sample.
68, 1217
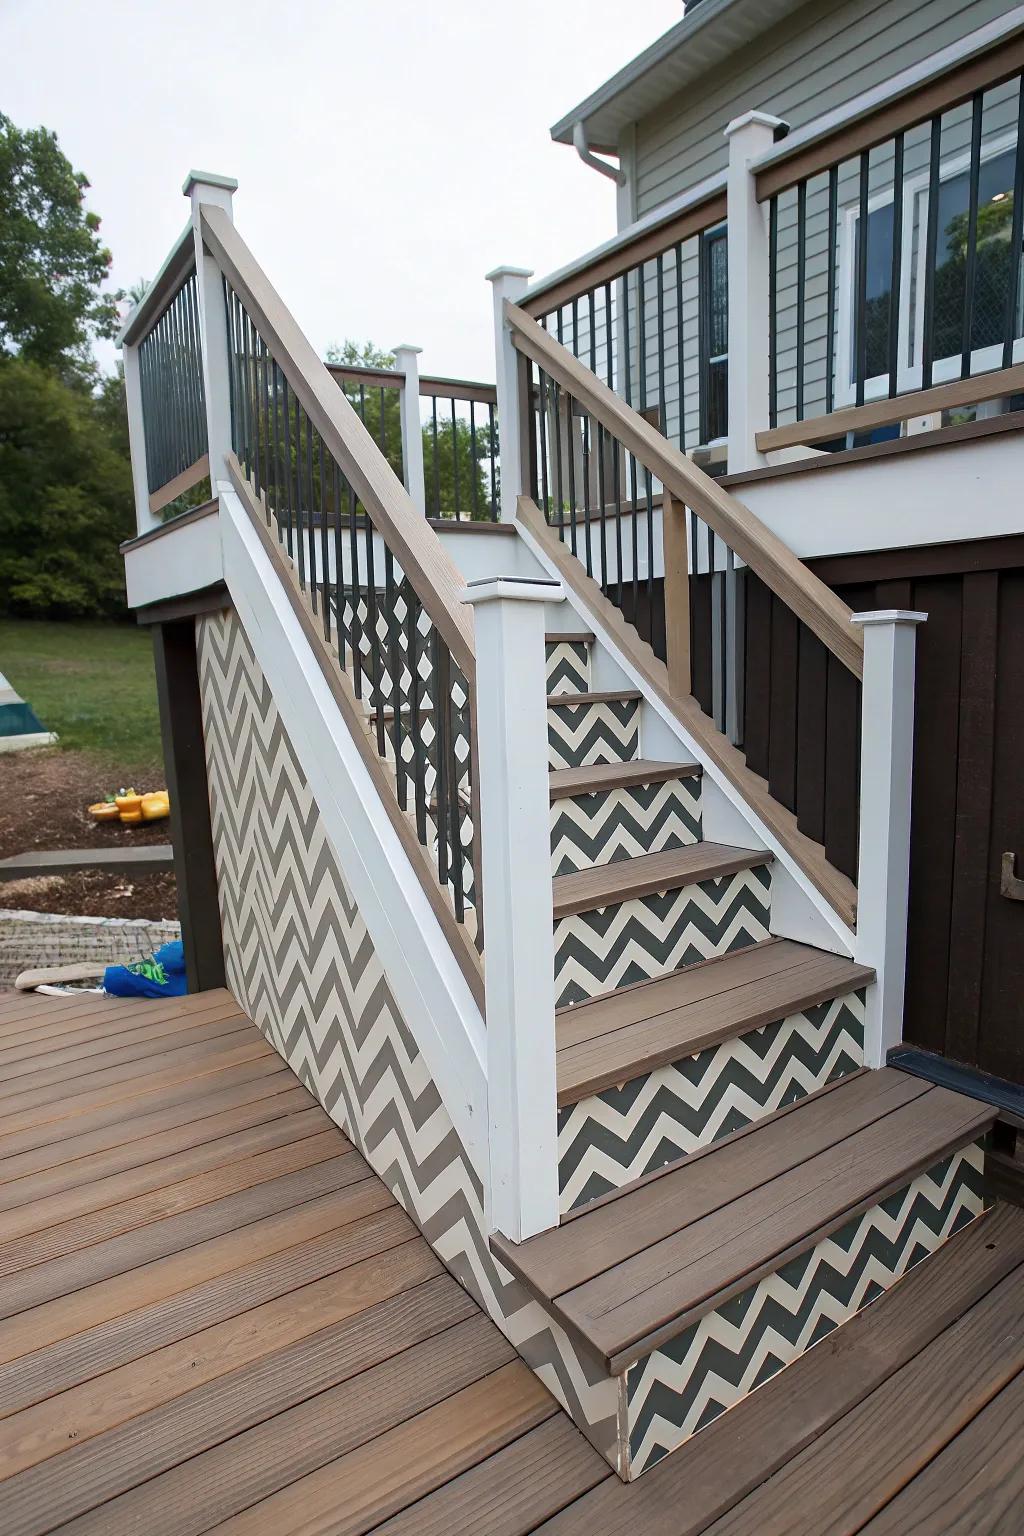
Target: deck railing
895, 257
639, 315
686, 563
455, 475
164, 377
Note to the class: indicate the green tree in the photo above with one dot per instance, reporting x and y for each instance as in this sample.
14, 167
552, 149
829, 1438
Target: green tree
65, 494
52, 261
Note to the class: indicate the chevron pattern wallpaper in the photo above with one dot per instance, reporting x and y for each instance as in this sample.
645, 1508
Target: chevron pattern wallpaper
623, 823
637, 940
568, 666
608, 1139
607, 732
302, 964
686, 1384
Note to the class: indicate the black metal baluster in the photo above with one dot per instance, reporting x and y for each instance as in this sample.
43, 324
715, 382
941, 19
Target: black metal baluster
300, 499
542, 422
339, 565
773, 311
271, 458
681, 375
454, 807
557, 452
395, 666
801, 292
1016, 235
830, 302
571, 439
419, 761
311, 503
603, 504
441, 675
492, 440
970, 270
325, 545
896, 273
355, 588
931, 241
246, 398
663, 414
437, 462
860, 328
373, 633
475, 489
288, 470
586, 493
455, 464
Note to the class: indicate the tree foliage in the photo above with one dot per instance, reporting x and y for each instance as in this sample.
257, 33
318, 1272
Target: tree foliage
65, 479
52, 261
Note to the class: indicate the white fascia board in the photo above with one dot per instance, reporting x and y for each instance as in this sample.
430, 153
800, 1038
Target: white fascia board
423, 974
174, 561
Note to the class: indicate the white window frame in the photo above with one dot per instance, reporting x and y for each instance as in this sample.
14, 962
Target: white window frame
909, 376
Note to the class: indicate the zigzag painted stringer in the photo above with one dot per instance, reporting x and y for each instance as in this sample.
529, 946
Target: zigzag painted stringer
624, 823
683, 1386
302, 964
610, 1138
640, 939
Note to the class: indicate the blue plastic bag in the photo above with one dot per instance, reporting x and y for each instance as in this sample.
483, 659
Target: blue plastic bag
162, 975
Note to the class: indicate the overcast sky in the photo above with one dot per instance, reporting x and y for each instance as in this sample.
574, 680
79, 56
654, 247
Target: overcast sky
388, 153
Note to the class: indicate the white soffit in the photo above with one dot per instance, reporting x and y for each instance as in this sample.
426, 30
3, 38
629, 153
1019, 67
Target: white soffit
694, 47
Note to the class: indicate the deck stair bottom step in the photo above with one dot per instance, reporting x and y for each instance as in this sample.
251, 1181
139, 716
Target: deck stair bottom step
694, 1287
636, 919
654, 1072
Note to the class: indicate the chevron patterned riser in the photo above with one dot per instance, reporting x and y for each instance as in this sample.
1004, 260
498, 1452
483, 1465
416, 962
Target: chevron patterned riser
608, 732
302, 964
638, 940
568, 666
680, 1388
623, 824
611, 1138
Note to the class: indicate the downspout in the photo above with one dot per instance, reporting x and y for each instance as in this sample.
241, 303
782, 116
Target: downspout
582, 148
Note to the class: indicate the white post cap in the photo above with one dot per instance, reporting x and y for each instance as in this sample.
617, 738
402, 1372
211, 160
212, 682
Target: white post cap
889, 616
506, 271
208, 179
754, 119
523, 589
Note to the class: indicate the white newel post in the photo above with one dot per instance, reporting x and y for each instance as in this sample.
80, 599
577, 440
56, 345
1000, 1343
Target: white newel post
144, 518
515, 836
886, 785
508, 283
202, 187
750, 136
412, 433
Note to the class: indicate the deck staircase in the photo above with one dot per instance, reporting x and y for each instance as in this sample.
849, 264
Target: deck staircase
733, 1184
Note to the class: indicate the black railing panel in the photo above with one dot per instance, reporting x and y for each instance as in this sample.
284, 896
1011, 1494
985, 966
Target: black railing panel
171, 381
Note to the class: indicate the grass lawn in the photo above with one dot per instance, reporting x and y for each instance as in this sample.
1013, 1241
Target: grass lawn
93, 684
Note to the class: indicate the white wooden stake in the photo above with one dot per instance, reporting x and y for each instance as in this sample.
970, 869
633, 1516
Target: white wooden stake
749, 137
202, 187
412, 432
144, 518
515, 835
886, 784
508, 283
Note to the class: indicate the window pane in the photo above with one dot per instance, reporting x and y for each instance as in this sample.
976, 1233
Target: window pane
879, 286
994, 266
718, 400
718, 296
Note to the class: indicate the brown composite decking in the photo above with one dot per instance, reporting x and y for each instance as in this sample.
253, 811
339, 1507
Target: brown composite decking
213, 1316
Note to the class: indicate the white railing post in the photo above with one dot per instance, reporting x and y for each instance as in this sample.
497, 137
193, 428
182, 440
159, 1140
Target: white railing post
202, 188
515, 836
412, 431
886, 787
749, 137
144, 518
508, 283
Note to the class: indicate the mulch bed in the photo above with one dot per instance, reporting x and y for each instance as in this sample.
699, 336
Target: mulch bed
43, 800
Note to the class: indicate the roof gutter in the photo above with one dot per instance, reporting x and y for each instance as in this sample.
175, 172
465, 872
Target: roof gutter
579, 139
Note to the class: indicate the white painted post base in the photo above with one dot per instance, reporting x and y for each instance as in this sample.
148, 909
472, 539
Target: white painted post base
412, 432
144, 518
515, 834
508, 283
749, 136
886, 786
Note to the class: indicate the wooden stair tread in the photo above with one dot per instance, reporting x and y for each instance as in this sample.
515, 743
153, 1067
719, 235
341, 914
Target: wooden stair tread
606, 884
633, 1272
575, 700
620, 1035
599, 777
570, 637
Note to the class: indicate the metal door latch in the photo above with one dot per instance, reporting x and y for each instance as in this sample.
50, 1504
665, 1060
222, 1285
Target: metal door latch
1010, 885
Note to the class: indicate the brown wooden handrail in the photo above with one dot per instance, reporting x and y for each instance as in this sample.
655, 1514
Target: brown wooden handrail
431, 386
766, 555
414, 544
997, 64
882, 413
648, 242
